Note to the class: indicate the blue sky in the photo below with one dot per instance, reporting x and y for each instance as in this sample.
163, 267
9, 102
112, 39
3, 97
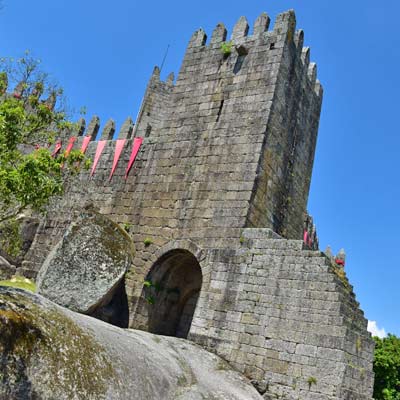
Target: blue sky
103, 53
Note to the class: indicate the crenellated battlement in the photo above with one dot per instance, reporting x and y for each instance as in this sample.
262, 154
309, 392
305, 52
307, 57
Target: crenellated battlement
108, 130
246, 42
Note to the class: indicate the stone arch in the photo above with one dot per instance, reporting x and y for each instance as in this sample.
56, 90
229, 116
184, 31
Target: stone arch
182, 244
170, 293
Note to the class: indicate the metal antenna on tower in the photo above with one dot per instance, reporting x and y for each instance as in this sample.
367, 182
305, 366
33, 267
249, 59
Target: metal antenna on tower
165, 56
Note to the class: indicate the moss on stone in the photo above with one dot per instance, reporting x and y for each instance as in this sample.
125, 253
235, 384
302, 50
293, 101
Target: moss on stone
147, 242
339, 271
20, 282
115, 244
74, 365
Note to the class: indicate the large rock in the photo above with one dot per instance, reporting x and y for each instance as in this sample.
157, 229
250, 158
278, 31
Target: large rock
49, 352
87, 266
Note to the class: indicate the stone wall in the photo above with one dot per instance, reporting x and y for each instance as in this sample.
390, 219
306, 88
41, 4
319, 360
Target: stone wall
285, 317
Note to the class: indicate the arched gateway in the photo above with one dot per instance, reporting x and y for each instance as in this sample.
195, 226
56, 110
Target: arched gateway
170, 294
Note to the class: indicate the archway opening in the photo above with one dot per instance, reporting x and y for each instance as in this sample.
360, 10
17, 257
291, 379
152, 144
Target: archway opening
170, 293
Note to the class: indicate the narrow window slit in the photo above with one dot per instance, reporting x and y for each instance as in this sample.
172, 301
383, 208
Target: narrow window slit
220, 110
148, 130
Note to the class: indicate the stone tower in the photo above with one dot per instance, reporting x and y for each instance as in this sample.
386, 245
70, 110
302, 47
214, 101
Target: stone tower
215, 204
256, 109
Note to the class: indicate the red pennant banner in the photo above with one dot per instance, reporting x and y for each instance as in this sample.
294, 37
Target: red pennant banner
136, 147
70, 145
57, 148
85, 144
119, 145
305, 237
99, 150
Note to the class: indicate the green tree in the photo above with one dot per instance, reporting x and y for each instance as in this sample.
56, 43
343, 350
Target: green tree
29, 174
387, 368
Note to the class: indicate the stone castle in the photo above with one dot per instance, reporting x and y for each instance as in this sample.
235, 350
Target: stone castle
215, 203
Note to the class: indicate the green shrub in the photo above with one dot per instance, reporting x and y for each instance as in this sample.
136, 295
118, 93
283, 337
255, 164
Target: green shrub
147, 242
226, 48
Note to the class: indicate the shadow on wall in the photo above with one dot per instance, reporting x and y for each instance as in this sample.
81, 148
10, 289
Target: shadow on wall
114, 310
170, 294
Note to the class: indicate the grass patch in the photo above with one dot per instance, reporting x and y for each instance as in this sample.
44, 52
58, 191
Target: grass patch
226, 48
20, 282
147, 242
311, 381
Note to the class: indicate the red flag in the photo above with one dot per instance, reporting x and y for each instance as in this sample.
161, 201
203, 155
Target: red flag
70, 145
339, 261
137, 142
57, 148
119, 145
85, 143
99, 150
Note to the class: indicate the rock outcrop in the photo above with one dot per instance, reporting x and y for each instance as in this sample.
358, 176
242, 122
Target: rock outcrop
86, 268
49, 352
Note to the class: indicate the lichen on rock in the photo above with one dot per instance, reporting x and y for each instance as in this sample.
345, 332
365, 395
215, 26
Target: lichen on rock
48, 352
66, 360
86, 267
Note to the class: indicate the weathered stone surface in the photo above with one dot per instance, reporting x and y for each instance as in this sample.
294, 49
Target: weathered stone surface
6, 269
28, 228
85, 268
49, 352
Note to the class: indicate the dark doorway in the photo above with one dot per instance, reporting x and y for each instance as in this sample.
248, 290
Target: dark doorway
170, 294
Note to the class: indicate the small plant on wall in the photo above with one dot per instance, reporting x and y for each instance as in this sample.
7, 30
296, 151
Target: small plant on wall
152, 290
147, 242
226, 48
311, 381
127, 227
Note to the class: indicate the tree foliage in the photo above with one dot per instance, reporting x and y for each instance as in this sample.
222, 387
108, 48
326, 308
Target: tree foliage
387, 368
30, 120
